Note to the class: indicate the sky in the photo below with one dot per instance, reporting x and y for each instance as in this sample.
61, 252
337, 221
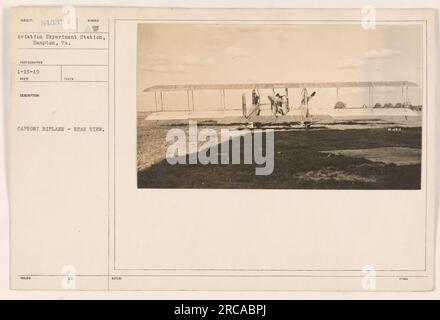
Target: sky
231, 53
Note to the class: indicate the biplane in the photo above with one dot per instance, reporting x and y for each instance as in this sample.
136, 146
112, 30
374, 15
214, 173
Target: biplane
279, 102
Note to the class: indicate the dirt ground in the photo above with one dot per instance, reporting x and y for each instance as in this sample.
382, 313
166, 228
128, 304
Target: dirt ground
304, 159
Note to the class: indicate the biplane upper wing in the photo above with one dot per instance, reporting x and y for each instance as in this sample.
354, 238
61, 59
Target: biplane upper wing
249, 86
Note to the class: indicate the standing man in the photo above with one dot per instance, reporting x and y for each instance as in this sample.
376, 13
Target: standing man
256, 101
278, 104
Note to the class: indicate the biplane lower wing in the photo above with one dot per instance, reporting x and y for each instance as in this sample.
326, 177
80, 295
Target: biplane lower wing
296, 114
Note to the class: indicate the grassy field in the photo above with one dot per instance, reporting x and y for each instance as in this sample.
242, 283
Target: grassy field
303, 160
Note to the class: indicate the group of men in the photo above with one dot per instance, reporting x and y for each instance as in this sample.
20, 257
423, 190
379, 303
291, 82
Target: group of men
279, 104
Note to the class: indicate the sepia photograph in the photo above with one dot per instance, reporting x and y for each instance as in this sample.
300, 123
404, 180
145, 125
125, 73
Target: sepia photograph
279, 106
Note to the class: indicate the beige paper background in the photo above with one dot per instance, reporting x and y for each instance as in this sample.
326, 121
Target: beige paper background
88, 251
